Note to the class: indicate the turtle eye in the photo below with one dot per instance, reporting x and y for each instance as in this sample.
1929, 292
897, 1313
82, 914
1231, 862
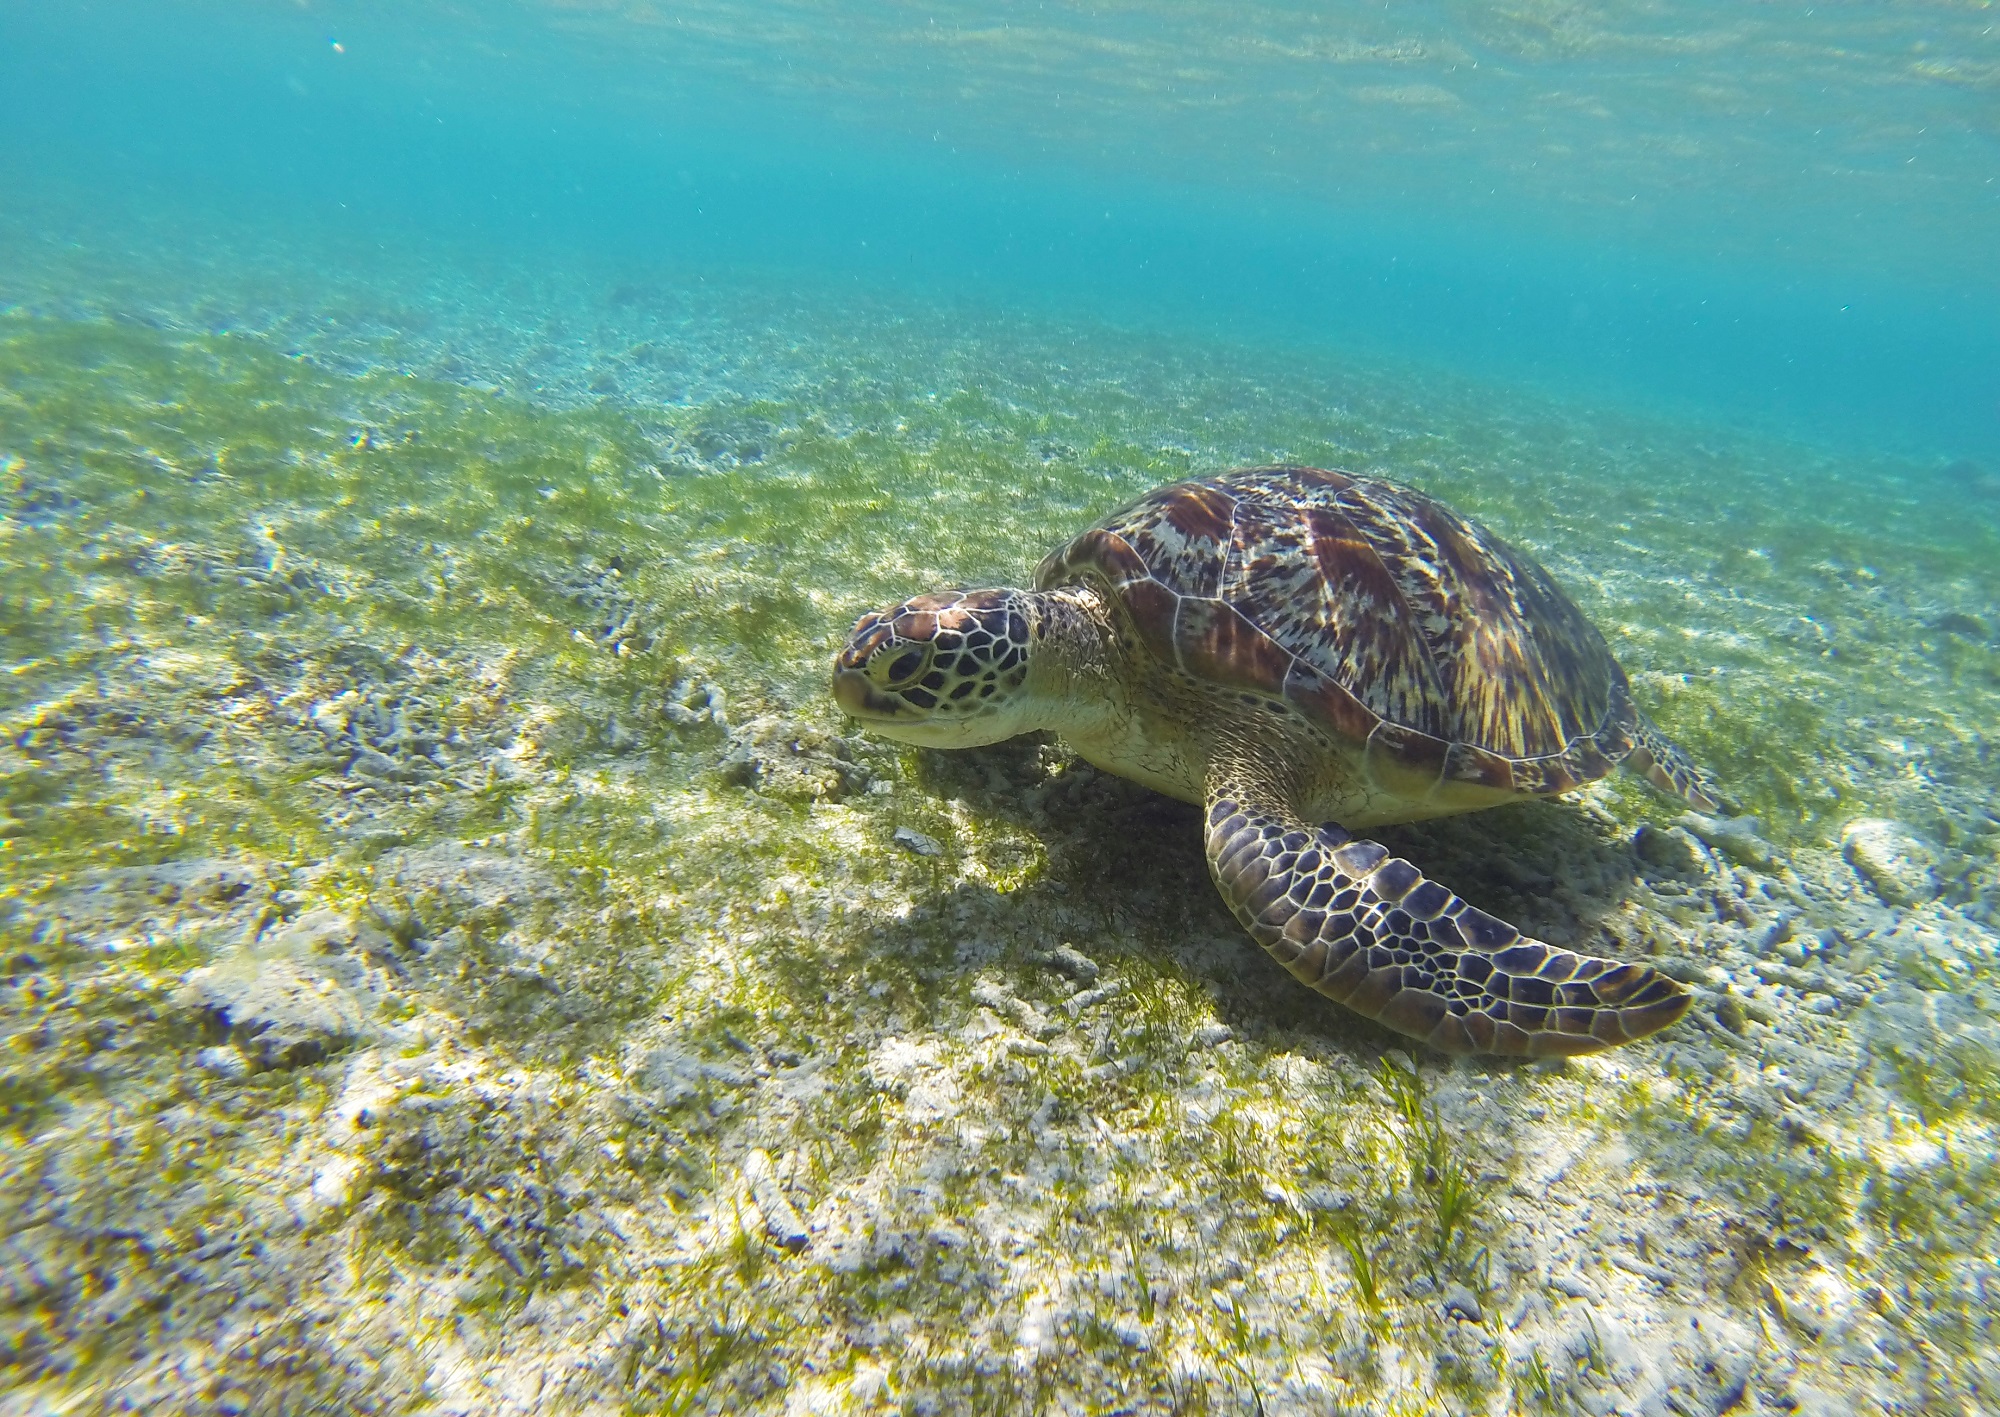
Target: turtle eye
906, 666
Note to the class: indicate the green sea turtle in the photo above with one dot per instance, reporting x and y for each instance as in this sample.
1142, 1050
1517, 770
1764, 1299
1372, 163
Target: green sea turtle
1306, 653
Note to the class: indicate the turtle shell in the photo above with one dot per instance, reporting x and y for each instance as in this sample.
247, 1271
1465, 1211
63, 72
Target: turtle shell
1379, 614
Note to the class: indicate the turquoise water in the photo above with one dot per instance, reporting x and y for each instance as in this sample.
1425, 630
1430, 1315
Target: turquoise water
455, 956
1776, 216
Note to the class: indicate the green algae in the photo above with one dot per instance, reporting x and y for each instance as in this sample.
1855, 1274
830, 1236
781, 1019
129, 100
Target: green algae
458, 515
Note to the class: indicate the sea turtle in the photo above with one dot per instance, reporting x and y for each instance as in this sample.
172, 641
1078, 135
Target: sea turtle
1304, 653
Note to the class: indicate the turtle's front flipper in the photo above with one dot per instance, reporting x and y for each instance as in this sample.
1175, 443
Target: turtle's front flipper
1365, 928
1656, 758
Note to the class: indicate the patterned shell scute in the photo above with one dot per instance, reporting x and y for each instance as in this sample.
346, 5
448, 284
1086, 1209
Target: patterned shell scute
1374, 610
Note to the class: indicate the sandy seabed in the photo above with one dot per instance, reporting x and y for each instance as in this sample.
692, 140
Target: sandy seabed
456, 958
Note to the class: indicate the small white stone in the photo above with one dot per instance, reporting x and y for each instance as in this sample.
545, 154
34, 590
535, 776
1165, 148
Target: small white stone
868, 1383
1896, 864
1091, 998
1461, 1303
781, 1220
981, 1026
1741, 839
914, 841
223, 1062
1075, 963
1670, 850
934, 1098
1037, 1331
333, 1185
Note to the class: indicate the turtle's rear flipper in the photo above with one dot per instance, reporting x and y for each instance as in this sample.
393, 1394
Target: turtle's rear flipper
1365, 928
1655, 758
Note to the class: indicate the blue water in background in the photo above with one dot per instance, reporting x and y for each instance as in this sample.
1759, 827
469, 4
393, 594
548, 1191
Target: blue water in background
1781, 215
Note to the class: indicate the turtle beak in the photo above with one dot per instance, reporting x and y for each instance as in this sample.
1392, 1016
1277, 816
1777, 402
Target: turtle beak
852, 689
857, 697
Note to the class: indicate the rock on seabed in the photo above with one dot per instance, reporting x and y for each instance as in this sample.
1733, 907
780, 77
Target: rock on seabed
1896, 863
280, 1015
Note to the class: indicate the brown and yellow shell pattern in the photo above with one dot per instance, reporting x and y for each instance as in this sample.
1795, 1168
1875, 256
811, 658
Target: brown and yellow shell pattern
1380, 615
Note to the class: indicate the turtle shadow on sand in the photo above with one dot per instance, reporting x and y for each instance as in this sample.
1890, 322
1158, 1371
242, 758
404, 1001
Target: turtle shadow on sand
1126, 880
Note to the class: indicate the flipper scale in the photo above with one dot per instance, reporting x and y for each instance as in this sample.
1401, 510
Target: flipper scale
1401, 949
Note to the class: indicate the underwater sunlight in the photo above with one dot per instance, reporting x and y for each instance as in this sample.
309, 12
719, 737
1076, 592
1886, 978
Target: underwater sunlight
682, 679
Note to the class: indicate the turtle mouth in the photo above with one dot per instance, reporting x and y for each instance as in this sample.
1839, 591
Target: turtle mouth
858, 698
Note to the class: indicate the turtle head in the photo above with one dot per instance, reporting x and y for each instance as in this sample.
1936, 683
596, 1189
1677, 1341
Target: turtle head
942, 671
